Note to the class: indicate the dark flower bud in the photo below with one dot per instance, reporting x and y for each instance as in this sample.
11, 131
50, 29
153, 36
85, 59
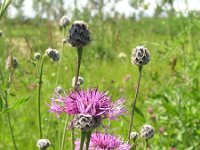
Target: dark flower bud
79, 34
140, 56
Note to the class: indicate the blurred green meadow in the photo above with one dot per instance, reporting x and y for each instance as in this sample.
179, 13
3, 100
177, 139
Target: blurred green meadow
169, 93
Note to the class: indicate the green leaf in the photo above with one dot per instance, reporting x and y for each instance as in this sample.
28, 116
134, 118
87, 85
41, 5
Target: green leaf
16, 105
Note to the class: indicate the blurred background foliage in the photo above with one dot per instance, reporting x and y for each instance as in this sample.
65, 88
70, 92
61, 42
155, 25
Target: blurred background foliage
169, 95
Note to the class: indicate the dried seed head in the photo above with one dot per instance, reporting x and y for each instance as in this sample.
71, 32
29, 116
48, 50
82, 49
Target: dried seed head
79, 82
147, 131
134, 136
86, 122
79, 34
59, 90
37, 56
140, 56
43, 144
64, 21
11, 62
53, 54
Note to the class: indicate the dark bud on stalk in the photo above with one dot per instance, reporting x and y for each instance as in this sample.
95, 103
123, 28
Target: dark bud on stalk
140, 56
58, 89
86, 122
79, 34
147, 131
134, 136
64, 21
43, 144
37, 56
80, 81
53, 54
11, 62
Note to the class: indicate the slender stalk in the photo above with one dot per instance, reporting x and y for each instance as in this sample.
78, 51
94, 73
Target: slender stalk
64, 133
11, 131
134, 101
6, 105
58, 73
2, 79
39, 96
83, 134
79, 54
88, 139
145, 144
72, 138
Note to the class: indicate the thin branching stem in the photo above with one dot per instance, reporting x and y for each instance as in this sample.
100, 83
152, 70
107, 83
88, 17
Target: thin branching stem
39, 96
134, 102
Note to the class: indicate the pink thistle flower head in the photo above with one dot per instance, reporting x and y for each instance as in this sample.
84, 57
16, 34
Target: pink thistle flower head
100, 141
88, 102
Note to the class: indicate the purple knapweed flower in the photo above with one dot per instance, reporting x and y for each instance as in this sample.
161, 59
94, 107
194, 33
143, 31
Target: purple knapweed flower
100, 141
88, 102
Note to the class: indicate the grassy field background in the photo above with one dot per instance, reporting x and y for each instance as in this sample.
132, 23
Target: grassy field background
169, 86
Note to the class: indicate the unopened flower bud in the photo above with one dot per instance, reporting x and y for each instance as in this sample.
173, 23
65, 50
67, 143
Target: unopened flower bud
79, 34
140, 56
53, 54
37, 56
64, 21
80, 81
86, 122
43, 144
11, 62
134, 136
147, 131
59, 89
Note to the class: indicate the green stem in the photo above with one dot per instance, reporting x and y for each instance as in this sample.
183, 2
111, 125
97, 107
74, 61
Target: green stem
72, 137
2, 79
39, 96
88, 139
64, 133
83, 134
11, 131
79, 54
134, 102
58, 71
145, 144
8, 114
